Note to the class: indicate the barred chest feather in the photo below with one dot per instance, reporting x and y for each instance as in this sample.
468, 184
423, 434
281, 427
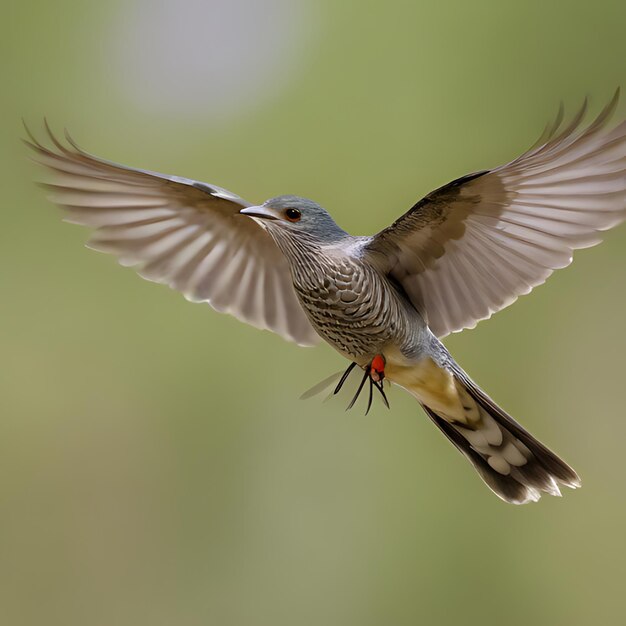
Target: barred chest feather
349, 304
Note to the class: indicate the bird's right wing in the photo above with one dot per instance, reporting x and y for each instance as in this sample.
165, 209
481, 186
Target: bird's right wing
180, 232
471, 247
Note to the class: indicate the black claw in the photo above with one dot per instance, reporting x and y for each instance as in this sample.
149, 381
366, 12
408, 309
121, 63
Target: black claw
343, 378
371, 396
373, 383
379, 386
358, 391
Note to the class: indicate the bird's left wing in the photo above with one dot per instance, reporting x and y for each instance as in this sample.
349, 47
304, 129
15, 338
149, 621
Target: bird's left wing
184, 233
472, 247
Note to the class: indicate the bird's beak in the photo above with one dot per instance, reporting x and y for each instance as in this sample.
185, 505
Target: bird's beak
260, 211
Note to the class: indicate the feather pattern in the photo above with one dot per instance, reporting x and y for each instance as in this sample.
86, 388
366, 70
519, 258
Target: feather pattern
472, 247
180, 232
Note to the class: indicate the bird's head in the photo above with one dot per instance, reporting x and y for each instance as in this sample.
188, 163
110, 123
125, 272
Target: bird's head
297, 218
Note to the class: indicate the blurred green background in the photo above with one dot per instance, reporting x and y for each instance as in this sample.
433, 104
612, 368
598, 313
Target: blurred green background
157, 466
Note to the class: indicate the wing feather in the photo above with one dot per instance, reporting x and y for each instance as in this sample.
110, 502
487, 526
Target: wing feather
179, 232
472, 247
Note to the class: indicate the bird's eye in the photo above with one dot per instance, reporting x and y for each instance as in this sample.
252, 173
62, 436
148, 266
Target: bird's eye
293, 215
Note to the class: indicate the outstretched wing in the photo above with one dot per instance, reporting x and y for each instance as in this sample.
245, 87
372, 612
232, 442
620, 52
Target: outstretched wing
472, 247
180, 232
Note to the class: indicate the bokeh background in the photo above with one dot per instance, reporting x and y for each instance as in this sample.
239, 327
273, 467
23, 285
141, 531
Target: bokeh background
157, 466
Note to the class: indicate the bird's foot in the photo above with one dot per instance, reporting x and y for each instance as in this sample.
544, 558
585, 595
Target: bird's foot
377, 368
375, 372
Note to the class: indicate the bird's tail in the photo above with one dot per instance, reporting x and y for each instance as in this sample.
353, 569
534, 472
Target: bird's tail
515, 465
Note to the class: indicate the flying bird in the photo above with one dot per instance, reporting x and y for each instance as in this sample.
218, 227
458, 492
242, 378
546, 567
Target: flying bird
384, 302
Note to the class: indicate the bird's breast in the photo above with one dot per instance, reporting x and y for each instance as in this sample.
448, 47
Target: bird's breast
351, 306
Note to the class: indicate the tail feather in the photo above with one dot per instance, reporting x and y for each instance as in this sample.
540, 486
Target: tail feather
515, 465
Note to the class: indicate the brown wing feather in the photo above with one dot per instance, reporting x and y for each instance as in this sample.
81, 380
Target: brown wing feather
177, 231
472, 247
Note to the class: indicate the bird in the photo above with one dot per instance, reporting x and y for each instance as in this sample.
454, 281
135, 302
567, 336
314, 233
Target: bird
383, 302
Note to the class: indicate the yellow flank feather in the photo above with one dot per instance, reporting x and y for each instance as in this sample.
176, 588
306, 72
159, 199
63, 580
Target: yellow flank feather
435, 387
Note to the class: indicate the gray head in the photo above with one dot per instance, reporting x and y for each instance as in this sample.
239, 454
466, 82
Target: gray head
295, 217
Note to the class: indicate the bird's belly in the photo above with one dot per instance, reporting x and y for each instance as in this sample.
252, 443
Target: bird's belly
359, 328
353, 337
